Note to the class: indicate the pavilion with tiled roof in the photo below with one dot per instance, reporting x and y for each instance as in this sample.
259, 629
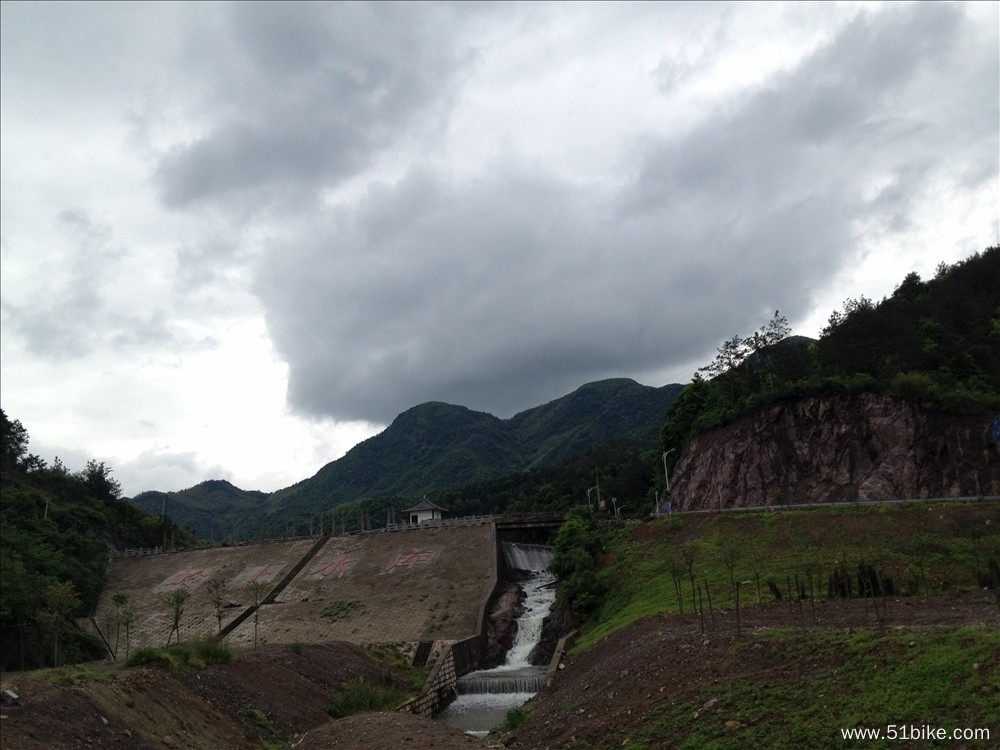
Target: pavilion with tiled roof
425, 510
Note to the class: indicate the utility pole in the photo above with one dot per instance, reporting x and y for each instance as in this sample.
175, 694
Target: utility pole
597, 479
666, 474
666, 478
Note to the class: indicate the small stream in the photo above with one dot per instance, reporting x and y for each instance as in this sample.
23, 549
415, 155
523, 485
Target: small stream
485, 696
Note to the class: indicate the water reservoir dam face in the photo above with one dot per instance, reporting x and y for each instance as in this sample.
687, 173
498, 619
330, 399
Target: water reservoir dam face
485, 696
426, 584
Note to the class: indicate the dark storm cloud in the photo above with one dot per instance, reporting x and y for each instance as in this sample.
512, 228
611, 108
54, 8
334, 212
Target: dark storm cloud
503, 296
308, 94
503, 291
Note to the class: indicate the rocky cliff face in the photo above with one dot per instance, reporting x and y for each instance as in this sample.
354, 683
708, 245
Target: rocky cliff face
858, 447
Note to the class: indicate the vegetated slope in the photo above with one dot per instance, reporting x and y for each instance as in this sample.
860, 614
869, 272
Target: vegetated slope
858, 616
435, 446
198, 507
626, 471
431, 445
662, 683
55, 529
618, 410
926, 548
862, 446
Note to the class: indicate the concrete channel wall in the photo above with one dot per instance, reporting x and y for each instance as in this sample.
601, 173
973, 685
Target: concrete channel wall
459, 658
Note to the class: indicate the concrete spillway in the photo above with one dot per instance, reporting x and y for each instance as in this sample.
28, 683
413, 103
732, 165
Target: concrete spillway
484, 697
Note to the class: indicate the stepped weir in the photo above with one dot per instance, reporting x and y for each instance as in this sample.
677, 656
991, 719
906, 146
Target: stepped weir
485, 696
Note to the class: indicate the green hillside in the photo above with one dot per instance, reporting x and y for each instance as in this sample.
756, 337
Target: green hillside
197, 507
55, 530
614, 410
433, 447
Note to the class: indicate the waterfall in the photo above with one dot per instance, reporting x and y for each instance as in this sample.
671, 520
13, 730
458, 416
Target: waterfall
485, 696
533, 557
492, 681
538, 601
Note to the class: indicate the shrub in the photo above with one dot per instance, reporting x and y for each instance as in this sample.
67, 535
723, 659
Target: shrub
184, 657
576, 553
260, 719
516, 717
154, 656
358, 697
914, 386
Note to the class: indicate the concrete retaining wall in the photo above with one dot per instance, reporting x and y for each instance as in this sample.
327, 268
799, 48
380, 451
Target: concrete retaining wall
459, 659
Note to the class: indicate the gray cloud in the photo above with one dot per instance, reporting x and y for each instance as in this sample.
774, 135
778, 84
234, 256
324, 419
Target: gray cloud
505, 290
166, 471
72, 313
487, 204
309, 93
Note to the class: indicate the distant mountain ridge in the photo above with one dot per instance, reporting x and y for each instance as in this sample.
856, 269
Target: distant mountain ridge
433, 446
199, 507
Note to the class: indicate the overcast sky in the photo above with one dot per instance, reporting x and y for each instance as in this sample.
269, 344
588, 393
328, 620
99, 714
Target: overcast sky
239, 238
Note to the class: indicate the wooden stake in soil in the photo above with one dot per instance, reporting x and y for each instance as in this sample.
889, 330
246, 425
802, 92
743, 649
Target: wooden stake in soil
677, 589
812, 599
701, 611
738, 608
798, 596
708, 595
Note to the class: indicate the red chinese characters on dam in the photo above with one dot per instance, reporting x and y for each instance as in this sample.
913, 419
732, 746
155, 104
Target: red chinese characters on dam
333, 568
410, 559
186, 579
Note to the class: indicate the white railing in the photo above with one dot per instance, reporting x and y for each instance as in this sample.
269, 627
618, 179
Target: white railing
135, 552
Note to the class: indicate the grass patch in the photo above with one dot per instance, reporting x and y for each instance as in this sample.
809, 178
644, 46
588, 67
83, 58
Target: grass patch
391, 655
68, 676
183, 657
822, 681
260, 719
515, 717
358, 697
343, 610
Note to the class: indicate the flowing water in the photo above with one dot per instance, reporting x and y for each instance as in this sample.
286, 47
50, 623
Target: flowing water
484, 697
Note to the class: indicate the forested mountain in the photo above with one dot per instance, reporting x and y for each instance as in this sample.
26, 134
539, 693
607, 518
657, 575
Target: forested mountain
431, 447
198, 505
55, 530
615, 410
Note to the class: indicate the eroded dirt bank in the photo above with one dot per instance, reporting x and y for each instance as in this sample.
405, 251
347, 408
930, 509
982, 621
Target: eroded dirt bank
612, 695
629, 689
268, 694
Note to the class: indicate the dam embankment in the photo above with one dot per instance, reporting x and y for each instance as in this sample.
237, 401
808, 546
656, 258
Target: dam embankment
424, 584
